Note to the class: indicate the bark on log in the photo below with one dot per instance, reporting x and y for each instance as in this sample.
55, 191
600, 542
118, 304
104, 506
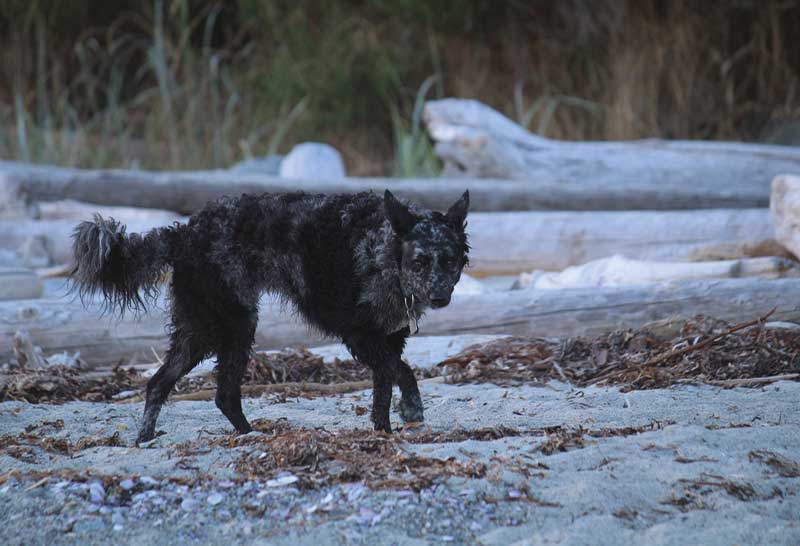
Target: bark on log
19, 284
513, 242
58, 325
477, 141
585, 185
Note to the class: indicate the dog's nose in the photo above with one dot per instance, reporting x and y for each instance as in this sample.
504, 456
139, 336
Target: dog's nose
439, 301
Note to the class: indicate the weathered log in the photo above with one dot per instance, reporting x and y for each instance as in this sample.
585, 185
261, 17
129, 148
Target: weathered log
59, 325
589, 187
621, 271
784, 206
513, 242
69, 209
476, 141
19, 284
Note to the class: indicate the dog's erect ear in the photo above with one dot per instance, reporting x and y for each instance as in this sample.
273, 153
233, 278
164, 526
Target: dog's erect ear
402, 219
458, 212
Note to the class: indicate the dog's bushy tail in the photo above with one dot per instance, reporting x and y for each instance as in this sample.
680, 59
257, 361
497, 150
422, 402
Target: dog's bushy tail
124, 268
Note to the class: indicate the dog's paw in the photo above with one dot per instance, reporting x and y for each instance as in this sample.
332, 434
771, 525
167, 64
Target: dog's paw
410, 410
146, 437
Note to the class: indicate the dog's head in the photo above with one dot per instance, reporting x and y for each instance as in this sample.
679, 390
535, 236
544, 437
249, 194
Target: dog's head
432, 249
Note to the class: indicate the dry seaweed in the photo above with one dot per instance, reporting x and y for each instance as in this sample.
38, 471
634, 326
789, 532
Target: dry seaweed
22, 445
58, 384
784, 466
707, 351
287, 366
741, 490
319, 458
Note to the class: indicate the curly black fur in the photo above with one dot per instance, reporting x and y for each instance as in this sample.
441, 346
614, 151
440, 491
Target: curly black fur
356, 267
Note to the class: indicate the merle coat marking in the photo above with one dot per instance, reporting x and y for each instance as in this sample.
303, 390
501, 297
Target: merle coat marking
352, 265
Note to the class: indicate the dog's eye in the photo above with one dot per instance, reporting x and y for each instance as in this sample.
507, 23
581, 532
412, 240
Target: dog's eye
420, 263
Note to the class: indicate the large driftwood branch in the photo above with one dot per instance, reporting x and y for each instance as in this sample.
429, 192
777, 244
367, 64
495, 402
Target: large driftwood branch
581, 185
476, 141
57, 326
513, 242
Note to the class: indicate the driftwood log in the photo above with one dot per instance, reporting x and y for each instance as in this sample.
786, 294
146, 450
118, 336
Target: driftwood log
580, 184
508, 243
476, 141
77, 210
58, 325
785, 208
513, 242
17, 283
621, 271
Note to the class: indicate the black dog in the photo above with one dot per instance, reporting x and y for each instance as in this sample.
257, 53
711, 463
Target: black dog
356, 267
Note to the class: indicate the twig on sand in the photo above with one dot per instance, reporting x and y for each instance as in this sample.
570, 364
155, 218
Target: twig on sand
752, 380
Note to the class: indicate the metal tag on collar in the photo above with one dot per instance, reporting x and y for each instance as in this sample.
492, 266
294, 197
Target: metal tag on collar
412, 316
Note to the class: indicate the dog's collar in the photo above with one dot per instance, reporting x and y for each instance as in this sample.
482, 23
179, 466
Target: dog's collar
411, 313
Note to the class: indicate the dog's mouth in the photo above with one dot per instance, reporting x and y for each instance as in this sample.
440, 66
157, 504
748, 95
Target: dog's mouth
438, 303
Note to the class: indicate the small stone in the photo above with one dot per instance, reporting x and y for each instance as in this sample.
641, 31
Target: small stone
282, 481
188, 503
127, 484
313, 160
147, 480
215, 498
97, 493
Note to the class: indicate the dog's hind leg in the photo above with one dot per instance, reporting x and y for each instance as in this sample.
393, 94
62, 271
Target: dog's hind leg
182, 356
411, 403
232, 365
232, 358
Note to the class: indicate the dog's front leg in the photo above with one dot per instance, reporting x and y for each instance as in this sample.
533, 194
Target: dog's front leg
374, 350
410, 406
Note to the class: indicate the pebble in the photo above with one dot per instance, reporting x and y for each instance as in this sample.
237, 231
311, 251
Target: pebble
127, 484
215, 498
188, 503
97, 492
282, 481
